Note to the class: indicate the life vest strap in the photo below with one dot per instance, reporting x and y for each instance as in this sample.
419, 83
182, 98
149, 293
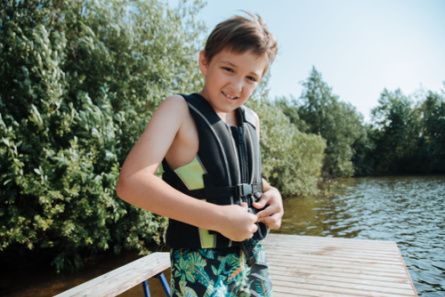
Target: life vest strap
238, 192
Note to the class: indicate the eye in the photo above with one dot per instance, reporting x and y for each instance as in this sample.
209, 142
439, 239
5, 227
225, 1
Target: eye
252, 78
228, 69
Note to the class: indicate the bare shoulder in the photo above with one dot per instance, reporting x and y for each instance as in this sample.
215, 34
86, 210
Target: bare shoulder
174, 104
171, 112
178, 99
157, 137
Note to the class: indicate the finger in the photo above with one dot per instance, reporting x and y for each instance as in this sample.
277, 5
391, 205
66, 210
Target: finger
244, 205
273, 222
268, 211
275, 211
254, 218
276, 223
262, 202
254, 228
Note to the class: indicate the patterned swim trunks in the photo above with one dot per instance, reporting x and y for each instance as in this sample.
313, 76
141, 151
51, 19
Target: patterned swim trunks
219, 273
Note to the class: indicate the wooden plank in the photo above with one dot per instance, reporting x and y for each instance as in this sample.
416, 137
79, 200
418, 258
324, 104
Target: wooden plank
331, 246
274, 237
319, 266
327, 246
299, 272
328, 291
367, 269
122, 278
342, 286
299, 266
298, 258
280, 252
277, 257
358, 280
334, 270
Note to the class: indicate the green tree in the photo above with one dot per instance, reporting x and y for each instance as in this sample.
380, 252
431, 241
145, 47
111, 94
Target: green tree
78, 83
363, 148
396, 133
431, 154
289, 106
336, 121
292, 160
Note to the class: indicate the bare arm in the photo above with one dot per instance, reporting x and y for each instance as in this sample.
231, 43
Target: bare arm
138, 184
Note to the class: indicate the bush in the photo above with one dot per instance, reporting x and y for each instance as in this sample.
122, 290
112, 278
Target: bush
336, 121
78, 83
292, 160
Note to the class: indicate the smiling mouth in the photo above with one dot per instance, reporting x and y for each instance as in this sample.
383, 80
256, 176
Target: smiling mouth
229, 97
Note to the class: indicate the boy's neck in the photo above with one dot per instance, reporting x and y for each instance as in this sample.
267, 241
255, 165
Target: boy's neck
229, 118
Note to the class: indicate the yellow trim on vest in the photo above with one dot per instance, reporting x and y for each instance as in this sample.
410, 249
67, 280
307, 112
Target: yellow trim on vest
191, 174
208, 240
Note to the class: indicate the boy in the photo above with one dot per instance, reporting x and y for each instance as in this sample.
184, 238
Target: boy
218, 205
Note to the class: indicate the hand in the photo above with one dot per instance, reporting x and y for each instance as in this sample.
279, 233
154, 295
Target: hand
273, 213
238, 223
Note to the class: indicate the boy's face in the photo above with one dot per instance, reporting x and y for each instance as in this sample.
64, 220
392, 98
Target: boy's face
230, 78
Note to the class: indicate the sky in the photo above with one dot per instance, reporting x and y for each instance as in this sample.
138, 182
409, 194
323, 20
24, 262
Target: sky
359, 46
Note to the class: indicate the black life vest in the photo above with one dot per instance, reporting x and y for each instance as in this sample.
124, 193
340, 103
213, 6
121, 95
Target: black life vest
227, 170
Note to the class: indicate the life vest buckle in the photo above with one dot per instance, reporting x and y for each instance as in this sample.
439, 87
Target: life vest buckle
243, 190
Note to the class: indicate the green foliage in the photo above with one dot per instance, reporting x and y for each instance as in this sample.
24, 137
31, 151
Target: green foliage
396, 132
78, 81
364, 157
290, 109
337, 122
409, 138
431, 151
292, 160
403, 138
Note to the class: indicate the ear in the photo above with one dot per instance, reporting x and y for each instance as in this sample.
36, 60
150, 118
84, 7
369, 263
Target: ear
203, 65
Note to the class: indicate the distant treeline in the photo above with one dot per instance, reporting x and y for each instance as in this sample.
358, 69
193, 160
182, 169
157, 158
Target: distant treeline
406, 135
79, 81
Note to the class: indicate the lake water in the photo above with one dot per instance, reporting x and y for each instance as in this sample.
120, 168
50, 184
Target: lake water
407, 210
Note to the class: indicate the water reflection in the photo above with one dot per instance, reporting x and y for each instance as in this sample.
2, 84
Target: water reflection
408, 210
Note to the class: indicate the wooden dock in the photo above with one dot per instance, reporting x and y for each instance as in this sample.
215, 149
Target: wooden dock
334, 267
299, 266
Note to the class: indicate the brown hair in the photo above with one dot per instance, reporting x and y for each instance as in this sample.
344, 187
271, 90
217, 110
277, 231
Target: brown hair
241, 34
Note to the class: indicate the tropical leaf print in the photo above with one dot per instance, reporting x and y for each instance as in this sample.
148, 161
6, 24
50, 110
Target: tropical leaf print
218, 273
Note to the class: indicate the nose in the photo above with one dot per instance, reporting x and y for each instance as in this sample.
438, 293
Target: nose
236, 85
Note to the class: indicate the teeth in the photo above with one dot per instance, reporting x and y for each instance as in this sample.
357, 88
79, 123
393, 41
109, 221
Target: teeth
230, 97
